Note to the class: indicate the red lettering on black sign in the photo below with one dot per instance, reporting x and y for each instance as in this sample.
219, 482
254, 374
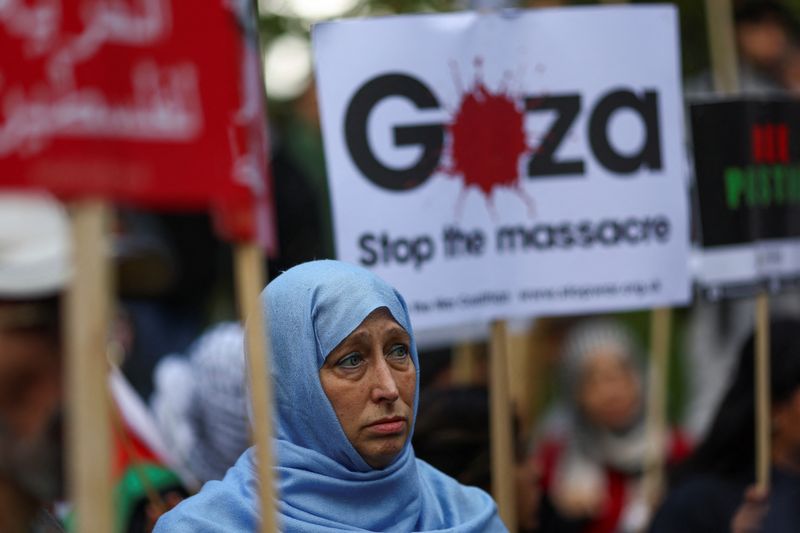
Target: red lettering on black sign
770, 143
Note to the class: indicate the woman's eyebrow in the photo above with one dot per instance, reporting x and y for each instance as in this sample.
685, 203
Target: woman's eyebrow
347, 343
355, 336
398, 331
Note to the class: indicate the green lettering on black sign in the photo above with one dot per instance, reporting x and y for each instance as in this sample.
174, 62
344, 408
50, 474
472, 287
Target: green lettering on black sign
762, 186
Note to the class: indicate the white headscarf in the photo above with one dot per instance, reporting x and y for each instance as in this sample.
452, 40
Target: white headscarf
200, 403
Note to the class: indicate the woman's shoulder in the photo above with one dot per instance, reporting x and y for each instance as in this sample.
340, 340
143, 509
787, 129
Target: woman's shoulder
220, 507
470, 507
435, 478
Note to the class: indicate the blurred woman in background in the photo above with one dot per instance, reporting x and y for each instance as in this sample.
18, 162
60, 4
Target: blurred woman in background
710, 491
593, 454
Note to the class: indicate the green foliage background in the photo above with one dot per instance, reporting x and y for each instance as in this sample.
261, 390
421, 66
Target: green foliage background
692, 18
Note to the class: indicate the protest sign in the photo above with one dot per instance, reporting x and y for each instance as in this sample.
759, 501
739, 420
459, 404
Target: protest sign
156, 103
509, 164
748, 189
152, 102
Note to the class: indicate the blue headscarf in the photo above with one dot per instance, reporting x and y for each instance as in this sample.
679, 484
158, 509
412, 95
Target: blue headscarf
324, 485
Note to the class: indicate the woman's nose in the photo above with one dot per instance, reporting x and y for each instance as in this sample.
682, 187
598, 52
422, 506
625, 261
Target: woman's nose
384, 386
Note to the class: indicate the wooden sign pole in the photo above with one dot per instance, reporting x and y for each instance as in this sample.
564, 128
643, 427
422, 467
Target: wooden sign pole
719, 16
465, 364
520, 388
762, 399
656, 421
502, 442
722, 46
539, 370
249, 284
87, 317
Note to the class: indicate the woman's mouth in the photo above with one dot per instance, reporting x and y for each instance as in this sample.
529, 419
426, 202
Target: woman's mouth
388, 426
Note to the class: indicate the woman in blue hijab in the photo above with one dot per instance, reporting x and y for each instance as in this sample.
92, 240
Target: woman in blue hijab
346, 377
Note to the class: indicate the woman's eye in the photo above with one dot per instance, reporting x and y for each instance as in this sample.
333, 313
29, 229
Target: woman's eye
351, 361
399, 351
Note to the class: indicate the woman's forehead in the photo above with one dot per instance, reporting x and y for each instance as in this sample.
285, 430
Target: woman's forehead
380, 319
381, 313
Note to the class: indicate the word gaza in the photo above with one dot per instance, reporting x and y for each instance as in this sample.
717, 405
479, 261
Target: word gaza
543, 162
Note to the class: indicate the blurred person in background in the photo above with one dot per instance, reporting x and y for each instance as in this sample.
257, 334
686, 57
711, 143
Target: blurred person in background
34, 266
765, 29
592, 454
173, 276
791, 70
714, 334
452, 434
712, 491
764, 33
200, 404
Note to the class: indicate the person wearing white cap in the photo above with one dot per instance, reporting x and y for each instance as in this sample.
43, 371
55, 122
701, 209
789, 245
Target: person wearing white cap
34, 268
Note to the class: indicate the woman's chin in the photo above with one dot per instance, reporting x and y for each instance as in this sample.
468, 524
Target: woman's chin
382, 454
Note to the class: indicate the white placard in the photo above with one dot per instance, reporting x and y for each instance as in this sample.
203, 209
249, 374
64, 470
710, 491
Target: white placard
518, 163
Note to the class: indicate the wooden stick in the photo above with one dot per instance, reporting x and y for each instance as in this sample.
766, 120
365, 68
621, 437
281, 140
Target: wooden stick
502, 443
722, 46
726, 81
520, 387
88, 311
538, 373
249, 284
465, 364
656, 422
762, 388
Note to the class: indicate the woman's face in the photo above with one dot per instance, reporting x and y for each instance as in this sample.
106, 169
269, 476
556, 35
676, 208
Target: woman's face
370, 381
609, 394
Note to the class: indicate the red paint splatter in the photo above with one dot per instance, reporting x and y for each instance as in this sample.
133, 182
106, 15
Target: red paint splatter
487, 140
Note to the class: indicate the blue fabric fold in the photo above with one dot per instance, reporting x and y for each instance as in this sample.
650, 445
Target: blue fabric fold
323, 483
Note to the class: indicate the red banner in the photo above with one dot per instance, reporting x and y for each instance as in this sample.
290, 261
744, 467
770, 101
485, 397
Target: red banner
156, 103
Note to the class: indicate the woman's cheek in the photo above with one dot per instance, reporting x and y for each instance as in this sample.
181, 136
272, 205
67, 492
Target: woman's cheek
409, 385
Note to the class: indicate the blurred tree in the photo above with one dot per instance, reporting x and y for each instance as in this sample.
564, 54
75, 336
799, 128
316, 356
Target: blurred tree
692, 20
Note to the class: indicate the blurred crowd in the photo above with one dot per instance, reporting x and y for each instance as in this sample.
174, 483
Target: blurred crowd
177, 367
768, 41
579, 462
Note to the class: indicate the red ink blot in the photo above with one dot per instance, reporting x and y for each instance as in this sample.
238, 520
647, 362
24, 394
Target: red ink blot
487, 140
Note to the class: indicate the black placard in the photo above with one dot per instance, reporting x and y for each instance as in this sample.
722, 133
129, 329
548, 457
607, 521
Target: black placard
747, 168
